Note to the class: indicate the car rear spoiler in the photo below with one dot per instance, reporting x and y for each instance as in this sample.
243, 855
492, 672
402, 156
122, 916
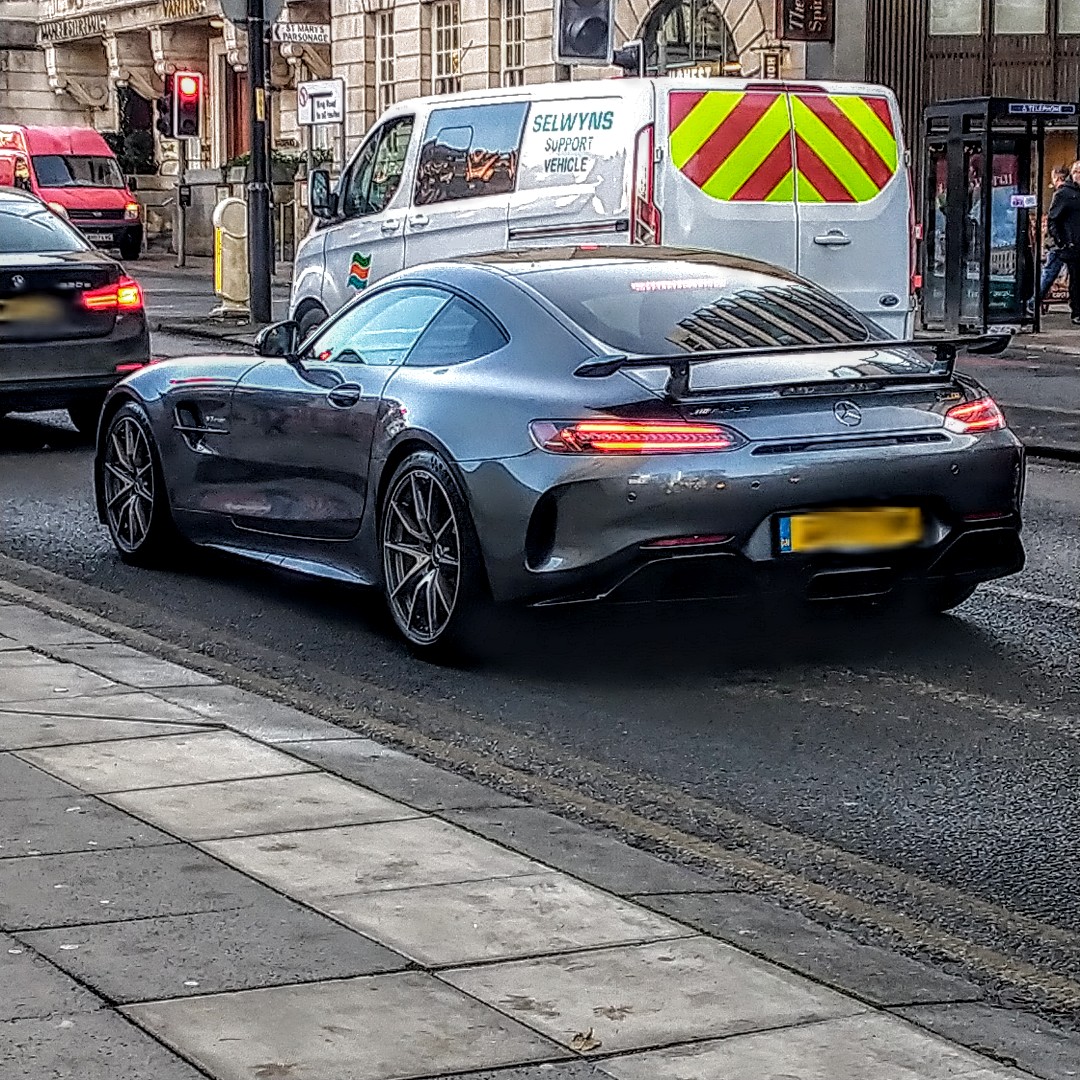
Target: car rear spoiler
678, 385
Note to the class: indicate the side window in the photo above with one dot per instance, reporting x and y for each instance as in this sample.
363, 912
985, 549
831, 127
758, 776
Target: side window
460, 332
376, 173
470, 151
380, 329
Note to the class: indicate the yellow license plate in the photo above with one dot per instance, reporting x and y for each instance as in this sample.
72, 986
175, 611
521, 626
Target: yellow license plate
28, 309
851, 530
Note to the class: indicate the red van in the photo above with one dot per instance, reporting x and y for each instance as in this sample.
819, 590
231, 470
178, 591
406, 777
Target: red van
74, 171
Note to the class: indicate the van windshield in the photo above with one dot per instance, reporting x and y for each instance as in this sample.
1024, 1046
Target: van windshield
655, 309
68, 170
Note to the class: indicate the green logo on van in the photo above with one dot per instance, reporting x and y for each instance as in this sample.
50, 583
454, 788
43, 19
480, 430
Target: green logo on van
359, 270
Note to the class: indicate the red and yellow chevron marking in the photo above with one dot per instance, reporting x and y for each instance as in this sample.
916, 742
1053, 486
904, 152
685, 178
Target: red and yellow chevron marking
757, 145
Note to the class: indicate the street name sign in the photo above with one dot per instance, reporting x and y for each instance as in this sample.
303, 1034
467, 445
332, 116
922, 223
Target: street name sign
321, 102
302, 33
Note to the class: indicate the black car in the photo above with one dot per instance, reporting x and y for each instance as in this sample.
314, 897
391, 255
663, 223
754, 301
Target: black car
72, 323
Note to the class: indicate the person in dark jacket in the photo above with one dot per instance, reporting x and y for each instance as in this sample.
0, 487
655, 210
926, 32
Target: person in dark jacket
1063, 224
1053, 264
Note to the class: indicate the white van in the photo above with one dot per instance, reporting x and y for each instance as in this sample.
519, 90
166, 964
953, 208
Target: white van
810, 177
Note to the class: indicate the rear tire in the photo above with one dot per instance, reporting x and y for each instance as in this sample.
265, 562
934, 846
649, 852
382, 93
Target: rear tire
945, 596
433, 575
85, 416
137, 510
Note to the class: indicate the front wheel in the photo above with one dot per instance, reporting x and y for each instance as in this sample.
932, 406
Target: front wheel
312, 317
137, 510
130, 249
433, 578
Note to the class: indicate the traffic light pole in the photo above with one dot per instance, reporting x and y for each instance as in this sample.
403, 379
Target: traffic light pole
181, 208
258, 186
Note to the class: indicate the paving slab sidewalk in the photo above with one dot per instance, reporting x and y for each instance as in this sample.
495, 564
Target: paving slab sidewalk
198, 882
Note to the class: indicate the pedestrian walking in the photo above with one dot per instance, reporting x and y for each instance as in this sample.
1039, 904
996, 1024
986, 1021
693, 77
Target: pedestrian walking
1063, 222
1053, 263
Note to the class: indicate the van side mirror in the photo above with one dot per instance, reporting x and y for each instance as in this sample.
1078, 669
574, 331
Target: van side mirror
320, 196
278, 340
133, 184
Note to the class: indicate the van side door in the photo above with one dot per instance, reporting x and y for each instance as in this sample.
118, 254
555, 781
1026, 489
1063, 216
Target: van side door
367, 241
854, 200
725, 181
574, 183
466, 170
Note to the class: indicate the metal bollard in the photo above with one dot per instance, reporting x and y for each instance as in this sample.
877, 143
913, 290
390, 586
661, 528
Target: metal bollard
232, 281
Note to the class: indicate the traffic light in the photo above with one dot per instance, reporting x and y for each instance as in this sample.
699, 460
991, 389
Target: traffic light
164, 107
583, 31
631, 58
187, 104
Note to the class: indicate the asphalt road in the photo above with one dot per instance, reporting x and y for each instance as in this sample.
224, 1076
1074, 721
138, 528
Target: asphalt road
915, 781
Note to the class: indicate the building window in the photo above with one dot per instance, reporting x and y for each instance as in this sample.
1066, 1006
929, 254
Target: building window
384, 60
513, 42
1020, 16
1069, 17
955, 17
689, 35
446, 46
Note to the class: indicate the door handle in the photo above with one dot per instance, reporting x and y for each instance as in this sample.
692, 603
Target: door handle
345, 396
418, 221
833, 238
389, 227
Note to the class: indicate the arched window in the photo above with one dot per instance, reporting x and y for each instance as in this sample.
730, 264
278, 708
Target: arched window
687, 33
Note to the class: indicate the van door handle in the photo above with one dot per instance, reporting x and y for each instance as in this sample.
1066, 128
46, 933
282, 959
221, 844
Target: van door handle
418, 221
833, 238
389, 227
345, 396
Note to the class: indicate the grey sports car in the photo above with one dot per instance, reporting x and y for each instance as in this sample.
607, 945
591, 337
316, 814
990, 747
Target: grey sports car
565, 425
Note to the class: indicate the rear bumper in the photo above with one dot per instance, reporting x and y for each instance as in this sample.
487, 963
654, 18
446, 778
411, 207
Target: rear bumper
54, 375
556, 529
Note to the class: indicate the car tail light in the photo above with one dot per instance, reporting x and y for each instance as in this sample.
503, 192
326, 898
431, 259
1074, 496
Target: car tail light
131, 211
644, 213
631, 437
975, 416
127, 369
914, 236
124, 296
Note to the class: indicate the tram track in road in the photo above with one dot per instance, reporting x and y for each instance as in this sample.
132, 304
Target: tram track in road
1009, 951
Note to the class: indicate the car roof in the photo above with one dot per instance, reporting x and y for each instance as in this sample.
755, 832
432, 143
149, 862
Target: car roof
20, 201
518, 263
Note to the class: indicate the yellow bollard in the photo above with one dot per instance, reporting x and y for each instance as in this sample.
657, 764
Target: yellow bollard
231, 279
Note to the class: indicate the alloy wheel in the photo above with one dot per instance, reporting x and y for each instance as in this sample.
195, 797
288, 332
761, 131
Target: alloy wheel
128, 468
421, 546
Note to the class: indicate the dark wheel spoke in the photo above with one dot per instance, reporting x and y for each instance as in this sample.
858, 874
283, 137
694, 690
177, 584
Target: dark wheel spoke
421, 555
129, 483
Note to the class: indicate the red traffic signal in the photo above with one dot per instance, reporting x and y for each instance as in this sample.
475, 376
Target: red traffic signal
187, 104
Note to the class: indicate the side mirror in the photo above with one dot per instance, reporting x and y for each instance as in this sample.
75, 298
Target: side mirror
278, 340
320, 197
133, 183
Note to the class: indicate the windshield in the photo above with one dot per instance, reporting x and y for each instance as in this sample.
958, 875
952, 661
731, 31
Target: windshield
658, 309
56, 171
38, 232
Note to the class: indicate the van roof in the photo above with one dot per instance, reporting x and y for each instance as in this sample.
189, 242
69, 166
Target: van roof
60, 140
620, 87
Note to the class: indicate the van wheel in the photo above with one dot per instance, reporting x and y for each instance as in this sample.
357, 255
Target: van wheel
85, 415
130, 250
309, 319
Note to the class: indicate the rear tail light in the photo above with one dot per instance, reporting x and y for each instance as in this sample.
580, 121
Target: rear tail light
124, 296
644, 213
131, 211
975, 416
631, 437
127, 369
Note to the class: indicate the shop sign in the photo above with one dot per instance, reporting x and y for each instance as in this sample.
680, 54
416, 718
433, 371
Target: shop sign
805, 20
78, 26
1041, 108
302, 33
178, 10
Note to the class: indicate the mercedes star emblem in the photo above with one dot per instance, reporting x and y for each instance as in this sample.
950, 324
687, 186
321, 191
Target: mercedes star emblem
848, 413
